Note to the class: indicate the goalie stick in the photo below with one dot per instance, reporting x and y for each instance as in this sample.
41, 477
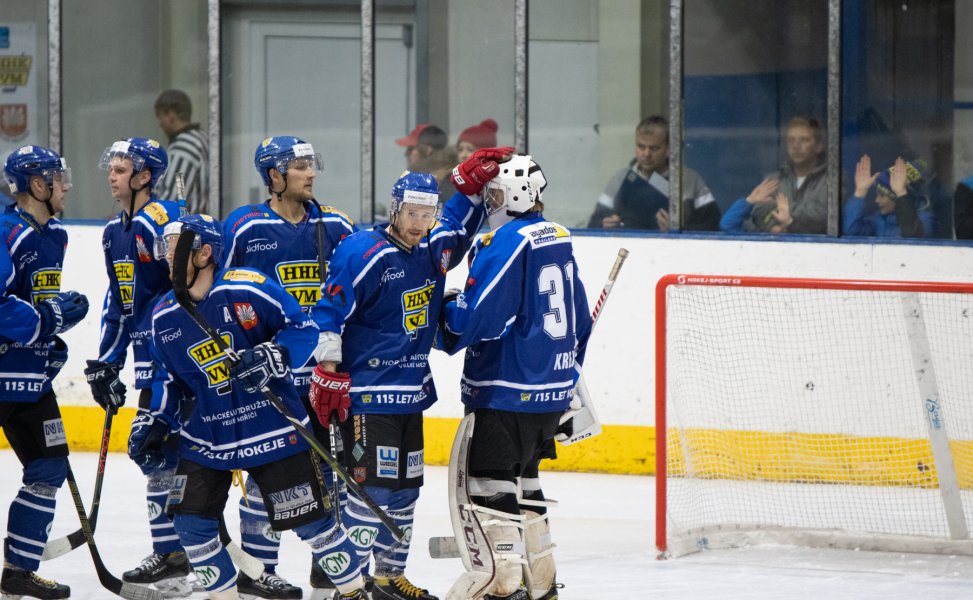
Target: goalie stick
109, 581
584, 420
63, 545
181, 292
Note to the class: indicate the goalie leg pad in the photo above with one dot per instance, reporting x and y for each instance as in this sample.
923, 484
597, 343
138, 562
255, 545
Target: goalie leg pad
540, 553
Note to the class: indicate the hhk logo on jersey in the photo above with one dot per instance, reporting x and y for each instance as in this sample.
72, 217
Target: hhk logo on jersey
212, 360
125, 276
415, 308
301, 279
45, 283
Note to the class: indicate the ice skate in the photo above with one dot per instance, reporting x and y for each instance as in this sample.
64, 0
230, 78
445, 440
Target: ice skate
17, 583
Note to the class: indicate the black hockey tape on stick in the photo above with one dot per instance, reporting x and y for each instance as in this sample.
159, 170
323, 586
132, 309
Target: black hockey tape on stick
109, 581
61, 546
180, 259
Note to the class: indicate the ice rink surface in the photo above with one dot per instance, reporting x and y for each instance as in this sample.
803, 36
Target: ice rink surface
603, 529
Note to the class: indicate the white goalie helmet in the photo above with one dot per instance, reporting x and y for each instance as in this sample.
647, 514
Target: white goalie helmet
514, 190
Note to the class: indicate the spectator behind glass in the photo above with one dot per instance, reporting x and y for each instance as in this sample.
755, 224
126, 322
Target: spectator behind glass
188, 151
426, 152
897, 209
473, 138
637, 197
963, 209
795, 198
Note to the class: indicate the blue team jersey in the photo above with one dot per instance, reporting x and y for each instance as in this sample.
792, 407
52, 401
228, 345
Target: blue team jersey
223, 426
385, 300
136, 282
259, 238
523, 318
30, 269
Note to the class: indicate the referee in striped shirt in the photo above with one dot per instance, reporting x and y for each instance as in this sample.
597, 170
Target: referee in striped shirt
188, 151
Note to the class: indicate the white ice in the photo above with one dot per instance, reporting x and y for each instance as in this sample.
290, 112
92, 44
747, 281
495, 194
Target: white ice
603, 528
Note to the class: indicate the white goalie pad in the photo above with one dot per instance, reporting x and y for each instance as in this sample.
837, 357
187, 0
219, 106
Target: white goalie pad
584, 419
472, 543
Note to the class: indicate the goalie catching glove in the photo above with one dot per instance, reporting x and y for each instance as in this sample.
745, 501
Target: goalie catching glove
329, 394
472, 174
258, 365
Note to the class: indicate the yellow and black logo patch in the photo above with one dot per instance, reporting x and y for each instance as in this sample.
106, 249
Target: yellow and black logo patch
45, 283
158, 214
415, 308
301, 279
125, 276
244, 276
212, 360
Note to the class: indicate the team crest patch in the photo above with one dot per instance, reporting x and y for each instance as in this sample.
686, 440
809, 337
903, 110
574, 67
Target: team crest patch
13, 117
143, 252
292, 439
245, 314
444, 261
359, 474
525, 397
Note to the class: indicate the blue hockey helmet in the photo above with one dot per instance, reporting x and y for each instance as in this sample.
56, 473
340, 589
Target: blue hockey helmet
415, 188
143, 152
29, 161
277, 152
207, 229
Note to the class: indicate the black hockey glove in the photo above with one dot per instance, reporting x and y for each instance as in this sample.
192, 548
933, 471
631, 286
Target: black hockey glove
258, 365
57, 355
61, 312
107, 389
145, 442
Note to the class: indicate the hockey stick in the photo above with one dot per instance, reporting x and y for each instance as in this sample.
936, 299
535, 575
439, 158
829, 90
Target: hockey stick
181, 292
244, 561
582, 411
62, 546
332, 429
181, 195
109, 581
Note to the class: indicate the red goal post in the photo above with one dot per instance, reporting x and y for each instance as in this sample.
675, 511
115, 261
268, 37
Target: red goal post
821, 412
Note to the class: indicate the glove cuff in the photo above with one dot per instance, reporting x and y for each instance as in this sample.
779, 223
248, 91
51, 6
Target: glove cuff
329, 347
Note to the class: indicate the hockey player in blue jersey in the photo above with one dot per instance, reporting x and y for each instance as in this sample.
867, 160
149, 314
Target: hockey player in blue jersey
222, 418
33, 310
377, 319
136, 281
524, 322
291, 238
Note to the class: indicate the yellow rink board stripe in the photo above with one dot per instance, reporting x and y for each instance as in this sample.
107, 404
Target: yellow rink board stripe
620, 449
623, 449
813, 458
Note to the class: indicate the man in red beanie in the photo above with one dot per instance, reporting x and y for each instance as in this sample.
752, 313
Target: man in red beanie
473, 138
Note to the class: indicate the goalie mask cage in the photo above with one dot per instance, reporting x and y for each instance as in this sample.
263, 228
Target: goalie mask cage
813, 412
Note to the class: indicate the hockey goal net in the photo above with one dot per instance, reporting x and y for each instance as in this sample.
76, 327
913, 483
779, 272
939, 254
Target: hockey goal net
813, 412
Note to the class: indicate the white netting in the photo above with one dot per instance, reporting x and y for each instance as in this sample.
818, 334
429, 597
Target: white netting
799, 409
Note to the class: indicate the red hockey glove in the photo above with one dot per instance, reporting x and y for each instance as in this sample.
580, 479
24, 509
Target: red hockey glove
471, 175
329, 394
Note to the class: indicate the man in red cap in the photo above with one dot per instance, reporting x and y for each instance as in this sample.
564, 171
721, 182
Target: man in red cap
425, 139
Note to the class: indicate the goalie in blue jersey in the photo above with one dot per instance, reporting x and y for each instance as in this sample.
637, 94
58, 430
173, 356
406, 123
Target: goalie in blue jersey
378, 320
524, 322
219, 411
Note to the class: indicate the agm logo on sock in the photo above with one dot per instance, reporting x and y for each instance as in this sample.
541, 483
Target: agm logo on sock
208, 575
335, 563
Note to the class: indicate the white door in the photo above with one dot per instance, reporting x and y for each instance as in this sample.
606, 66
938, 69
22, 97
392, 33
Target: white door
302, 78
